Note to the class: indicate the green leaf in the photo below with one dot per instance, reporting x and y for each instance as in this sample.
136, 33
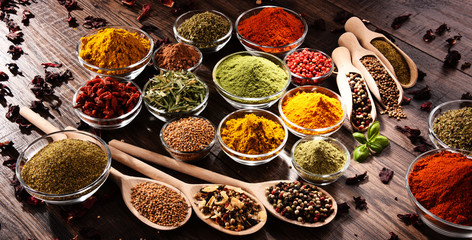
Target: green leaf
361, 153
360, 137
377, 148
381, 140
373, 130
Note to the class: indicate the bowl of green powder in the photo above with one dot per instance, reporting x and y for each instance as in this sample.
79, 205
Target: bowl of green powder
251, 79
450, 125
208, 30
64, 167
320, 160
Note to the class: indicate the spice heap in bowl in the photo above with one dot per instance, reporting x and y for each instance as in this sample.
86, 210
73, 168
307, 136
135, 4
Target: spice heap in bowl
175, 94
309, 66
312, 110
320, 160
450, 125
251, 79
121, 52
189, 138
105, 103
64, 171
207, 30
252, 136
439, 185
271, 29
177, 57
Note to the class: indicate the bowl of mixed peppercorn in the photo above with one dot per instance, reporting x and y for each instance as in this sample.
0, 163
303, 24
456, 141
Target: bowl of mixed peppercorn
105, 103
309, 66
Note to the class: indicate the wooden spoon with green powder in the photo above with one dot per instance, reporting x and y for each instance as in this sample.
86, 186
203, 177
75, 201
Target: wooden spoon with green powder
391, 55
257, 189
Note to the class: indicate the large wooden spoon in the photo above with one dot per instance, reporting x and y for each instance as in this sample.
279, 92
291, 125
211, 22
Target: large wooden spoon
258, 189
342, 59
349, 41
126, 183
365, 36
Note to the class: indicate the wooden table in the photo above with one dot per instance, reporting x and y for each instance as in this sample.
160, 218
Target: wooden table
48, 38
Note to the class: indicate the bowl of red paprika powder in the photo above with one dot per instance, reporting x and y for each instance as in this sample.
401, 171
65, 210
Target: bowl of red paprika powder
271, 29
439, 186
105, 103
309, 66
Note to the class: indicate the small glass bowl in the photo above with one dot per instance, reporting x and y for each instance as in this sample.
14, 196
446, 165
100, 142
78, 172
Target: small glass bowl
440, 109
319, 179
192, 69
298, 80
124, 73
111, 123
434, 222
69, 198
203, 46
278, 51
167, 116
187, 156
251, 159
302, 131
244, 102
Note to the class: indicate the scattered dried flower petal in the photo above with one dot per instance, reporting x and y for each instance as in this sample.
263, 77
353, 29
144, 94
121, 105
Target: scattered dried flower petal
77, 211
400, 20
93, 22
15, 37
426, 106
385, 175
393, 236
5, 91
452, 59
26, 17
422, 148
411, 219
145, 12
3, 76
128, 2
421, 75
422, 94
356, 179
170, 3
14, 69
15, 52
161, 42
465, 65
466, 96
442, 29
452, 41
406, 100
360, 203
38, 106
429, 36
343, 207
71, 20
56, 65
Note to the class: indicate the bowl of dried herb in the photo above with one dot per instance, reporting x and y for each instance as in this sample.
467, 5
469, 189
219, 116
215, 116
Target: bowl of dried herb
175, 94
64, 167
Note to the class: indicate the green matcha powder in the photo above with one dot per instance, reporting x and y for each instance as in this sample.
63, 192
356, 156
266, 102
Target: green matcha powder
319, 157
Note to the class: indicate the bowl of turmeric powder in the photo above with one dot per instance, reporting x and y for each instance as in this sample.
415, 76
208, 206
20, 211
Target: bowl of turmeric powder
252, 136
312, 110
121, 52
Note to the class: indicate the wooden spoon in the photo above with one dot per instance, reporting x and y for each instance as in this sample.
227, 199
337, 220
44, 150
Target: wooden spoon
365, 36
349, 41
187, 189
126, 183
258, 189
342, 59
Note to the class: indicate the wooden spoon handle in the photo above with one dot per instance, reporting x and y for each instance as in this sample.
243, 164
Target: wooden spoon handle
342, 58
179, 166
350, 41
116, 176
40, 122
356, 26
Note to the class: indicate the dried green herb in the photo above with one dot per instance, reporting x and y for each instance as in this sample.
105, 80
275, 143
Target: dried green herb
175, 91
64, 166
395, 58
454, 128
203, 28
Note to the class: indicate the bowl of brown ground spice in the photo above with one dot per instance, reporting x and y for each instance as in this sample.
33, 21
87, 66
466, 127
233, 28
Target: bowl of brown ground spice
64, 167
177, 57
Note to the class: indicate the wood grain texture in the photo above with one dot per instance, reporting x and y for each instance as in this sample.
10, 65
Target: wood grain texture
48, 38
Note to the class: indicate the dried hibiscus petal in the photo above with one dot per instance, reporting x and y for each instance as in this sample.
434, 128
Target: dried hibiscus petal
56, 65
145, 12
38, 106
3, 76
13, 112
421, 75
386, 175
411, 219
452, 41
442, 29
128, 2
34, 201
15, 52
393, 236
406, 100
343, 207
77, 211
170, 3
400, 20
452, 59
465, 65
429, 36
14, 69
93, 22
26, 17
426, 106
360, 203
466, 96
5, 90
422, 148
15, 37
422, 94
72, 21
356, 179
337, 30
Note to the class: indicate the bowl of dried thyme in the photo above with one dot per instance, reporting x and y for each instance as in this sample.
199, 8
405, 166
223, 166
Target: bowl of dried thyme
64, 167
450, 125
175, 94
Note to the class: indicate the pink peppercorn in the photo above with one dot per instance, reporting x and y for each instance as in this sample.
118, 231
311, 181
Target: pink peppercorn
311, 65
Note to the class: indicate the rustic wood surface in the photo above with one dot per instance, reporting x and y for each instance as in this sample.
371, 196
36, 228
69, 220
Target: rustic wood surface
48, 38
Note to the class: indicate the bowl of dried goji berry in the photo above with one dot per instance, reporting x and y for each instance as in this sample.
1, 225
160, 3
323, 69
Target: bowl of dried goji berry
106, 103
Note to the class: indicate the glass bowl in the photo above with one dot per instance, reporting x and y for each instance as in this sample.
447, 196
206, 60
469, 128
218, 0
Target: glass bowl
280, 50
203, 46
320, 179
440, 109
192, 69
434, 222
167, 116
187, 156
251, 159
125, 73
69, 198
298, 80
302, 131
111, 123
244, 102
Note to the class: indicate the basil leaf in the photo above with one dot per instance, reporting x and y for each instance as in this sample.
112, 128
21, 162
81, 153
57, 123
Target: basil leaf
360, 137
377, 148
361, 153
381, 140
373, 130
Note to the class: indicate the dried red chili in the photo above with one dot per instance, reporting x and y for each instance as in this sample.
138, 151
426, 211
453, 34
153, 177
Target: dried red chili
426, 106
107, 98
385, 175
145, 12
361, 203
356, 179
400, 20
442, 29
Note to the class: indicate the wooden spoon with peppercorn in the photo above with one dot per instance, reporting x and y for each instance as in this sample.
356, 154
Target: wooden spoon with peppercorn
359, 53
366, 37
353, 88
257, 189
